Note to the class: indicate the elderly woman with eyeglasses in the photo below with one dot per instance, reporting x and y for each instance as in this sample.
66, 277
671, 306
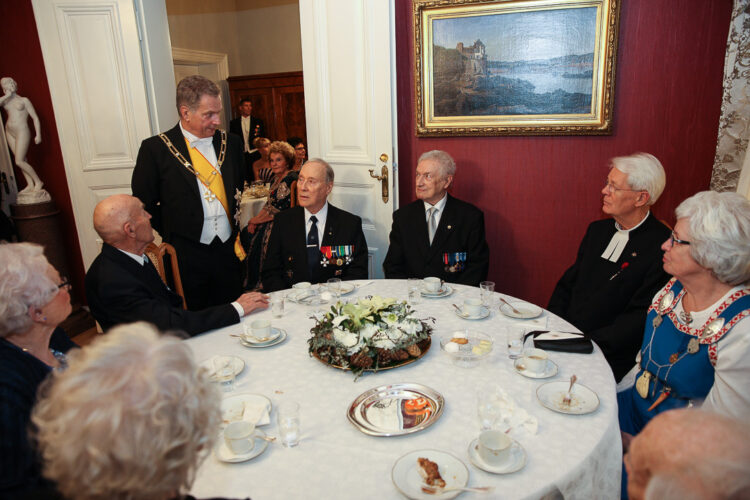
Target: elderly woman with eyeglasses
131, 418
696, 343
34, 300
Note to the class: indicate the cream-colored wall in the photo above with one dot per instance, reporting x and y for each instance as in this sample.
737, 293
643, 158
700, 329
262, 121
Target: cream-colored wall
264, 39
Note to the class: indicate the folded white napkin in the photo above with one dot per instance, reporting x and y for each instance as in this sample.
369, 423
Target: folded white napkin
249, 407
514, 417
552, 335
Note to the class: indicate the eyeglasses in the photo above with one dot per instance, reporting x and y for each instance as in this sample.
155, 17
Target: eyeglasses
674, 239
612, 189
65, 284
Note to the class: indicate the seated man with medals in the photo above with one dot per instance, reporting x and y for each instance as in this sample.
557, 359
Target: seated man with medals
617, 271
437, 235
696, 344
190, 179
314, 241
123, 286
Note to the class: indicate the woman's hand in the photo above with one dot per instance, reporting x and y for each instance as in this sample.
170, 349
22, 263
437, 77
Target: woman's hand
251, 228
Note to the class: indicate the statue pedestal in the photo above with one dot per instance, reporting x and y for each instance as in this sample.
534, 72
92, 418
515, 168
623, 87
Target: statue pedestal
40, 223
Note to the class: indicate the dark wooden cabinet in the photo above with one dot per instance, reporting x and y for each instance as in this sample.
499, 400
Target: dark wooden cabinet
278, 99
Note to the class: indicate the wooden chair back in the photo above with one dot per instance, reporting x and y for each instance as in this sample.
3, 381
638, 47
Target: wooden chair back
294, 194
157, 254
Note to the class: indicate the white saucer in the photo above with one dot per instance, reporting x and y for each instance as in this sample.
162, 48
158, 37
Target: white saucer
224, 454
237, 365
444, 292
484, 312
344, 288
280, 336
583, 399
550, 370
525, 310
515, 463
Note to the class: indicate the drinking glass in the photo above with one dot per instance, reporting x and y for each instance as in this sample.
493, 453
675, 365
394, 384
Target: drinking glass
487, 291
277, 305
514, 336
488, 407
287, 418
414, 290
224, 373
334, 286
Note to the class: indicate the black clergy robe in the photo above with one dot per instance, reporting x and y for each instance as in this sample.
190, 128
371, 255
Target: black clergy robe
608, 300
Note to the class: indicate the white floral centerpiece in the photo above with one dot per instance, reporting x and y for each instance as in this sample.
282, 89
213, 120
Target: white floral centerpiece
370, 334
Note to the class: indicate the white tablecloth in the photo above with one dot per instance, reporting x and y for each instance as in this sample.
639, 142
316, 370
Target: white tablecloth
578, 455
249, 208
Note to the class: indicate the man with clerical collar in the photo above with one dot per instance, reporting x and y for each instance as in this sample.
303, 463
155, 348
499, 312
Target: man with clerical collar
123, 286
249, 128
189, 179
608, 289
314, 241
437, 235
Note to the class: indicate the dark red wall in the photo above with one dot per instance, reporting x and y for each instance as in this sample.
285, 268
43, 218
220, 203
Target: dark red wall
21, 59
538, 194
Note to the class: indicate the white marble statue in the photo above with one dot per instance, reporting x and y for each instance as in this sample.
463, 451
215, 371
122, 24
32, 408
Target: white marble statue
18, 134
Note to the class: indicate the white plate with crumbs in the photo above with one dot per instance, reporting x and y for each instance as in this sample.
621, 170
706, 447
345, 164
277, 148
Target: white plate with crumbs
407, 479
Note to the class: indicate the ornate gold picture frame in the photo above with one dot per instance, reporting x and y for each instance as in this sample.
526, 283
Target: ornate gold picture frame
515, 67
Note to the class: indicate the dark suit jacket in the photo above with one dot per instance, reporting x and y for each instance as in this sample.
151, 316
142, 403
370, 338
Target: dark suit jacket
612, 310
286, 259
257, 129
170, 191
119, 290
461, 229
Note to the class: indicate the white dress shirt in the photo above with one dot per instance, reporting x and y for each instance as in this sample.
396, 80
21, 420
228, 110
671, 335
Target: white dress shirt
245, 121
322, 215
215, 219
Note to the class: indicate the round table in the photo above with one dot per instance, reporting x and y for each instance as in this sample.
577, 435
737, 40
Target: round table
249, 208
577, 455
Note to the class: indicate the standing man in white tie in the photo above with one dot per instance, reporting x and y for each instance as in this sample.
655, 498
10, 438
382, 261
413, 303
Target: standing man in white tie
437, 235
189, 178
608, 289
249, 128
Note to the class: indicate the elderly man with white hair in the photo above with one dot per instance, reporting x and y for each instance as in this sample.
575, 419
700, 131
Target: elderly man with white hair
437, 235
606, 292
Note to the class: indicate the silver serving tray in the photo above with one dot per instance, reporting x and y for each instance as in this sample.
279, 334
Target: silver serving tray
395, 410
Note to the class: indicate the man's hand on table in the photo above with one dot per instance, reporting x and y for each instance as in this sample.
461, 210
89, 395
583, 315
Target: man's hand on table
252, 301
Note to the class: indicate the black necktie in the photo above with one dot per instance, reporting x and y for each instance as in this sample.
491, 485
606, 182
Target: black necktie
312, 246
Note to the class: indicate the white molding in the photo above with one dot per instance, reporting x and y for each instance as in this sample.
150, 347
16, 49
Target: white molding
189, 56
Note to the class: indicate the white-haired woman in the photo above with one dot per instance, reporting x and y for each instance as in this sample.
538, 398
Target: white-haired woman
151, 417
34, 300
696, 344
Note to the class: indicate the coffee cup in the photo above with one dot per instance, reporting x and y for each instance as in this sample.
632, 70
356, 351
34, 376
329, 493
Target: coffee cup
432, 284
239, 436
472, 307
302, 285
494, 447
535, 360
260, 328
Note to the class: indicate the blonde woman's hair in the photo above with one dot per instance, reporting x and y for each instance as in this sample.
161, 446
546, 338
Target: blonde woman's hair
284, 149
131, 417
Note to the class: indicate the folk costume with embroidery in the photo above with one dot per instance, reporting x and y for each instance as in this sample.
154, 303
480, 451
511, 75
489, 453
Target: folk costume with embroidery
700, 358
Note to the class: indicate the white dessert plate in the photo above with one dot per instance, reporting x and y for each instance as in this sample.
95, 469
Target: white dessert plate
583, 400
278, 336
237, 365
483, 313
550, 370
525, 310
223, 453
515, 462
406, 477
443, 292
345, 288
255, 408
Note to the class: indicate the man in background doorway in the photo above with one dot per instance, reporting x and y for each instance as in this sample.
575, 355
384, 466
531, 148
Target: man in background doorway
249, 128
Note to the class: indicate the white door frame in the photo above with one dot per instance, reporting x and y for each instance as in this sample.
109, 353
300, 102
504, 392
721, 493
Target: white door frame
219, 64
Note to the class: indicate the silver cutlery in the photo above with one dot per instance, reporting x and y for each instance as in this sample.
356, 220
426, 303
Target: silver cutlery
431, 490
508, 304
568, 395
460, 312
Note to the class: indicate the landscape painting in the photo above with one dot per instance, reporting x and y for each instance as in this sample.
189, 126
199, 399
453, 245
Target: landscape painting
492, 68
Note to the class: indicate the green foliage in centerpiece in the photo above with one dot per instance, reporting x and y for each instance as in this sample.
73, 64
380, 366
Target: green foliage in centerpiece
370, 334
